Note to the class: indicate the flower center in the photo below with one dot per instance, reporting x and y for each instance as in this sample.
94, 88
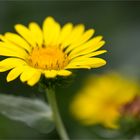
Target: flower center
49, 58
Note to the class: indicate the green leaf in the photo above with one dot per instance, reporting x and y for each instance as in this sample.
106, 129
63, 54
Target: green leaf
33, 112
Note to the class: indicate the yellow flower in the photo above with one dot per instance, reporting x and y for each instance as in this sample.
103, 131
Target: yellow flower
102, 98
51, 51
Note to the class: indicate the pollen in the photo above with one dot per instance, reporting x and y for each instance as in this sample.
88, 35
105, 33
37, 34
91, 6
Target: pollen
48, 58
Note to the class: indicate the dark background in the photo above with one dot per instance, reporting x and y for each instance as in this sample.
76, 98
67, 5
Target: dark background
118, 22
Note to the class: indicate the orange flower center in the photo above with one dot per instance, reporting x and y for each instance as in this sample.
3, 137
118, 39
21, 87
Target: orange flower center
48, 58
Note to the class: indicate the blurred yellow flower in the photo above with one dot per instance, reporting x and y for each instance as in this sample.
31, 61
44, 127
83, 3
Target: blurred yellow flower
50, 51
101, 100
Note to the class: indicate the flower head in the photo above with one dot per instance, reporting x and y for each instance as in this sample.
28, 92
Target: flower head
101, 100
50, 51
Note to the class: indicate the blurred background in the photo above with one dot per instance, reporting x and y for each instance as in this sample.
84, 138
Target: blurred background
118, 22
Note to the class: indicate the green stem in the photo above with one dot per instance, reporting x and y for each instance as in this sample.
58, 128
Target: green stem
56, 116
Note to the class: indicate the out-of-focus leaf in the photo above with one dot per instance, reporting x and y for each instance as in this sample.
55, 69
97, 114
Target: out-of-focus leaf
33, 112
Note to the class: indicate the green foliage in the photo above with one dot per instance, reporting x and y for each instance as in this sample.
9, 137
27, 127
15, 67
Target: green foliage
34, 113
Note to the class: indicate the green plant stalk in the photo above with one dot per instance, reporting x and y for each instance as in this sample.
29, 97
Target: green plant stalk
50, 91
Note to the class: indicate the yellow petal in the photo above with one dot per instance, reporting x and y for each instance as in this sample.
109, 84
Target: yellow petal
95, 53
26, 34
89, 55
12, 62
14, 73
92, 62
48, 25
12, 49
50, 73
89, 50
12, 46
34, 79
88, 47
27, 73
99, 63
36, 33
19, 41
3, 69
64, 73
6, 52
74, 36
85, 37
55, 34
65, 32
77, 67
